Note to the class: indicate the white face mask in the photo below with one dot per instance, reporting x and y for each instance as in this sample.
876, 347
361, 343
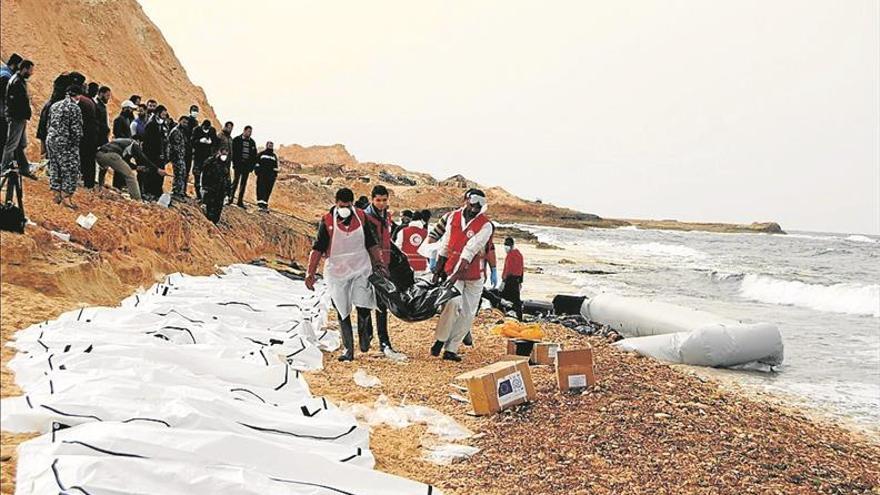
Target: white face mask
223, 158
507, 248
194, 114
343, 212
160, 121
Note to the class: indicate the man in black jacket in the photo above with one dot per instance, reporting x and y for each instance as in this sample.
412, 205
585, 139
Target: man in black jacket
203, 139
88, 143
122, 130
6, 73
192, 121
244, 156
18, 112
266, 171
103, 120
156, 149
215, 182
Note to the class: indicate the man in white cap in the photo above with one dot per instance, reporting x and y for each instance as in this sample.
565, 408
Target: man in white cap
460, 256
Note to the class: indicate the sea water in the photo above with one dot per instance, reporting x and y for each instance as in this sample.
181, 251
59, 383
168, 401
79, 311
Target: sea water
821, 290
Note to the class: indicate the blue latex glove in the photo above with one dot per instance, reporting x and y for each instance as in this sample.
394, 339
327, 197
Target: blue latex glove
432, 263
493, 277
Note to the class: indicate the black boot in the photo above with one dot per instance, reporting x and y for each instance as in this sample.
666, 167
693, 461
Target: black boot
468, 340
451, 356
347, 340
382, 329
365, 328
437, 347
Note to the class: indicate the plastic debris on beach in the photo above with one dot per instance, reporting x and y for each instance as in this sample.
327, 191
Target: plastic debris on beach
516, 330
448, 453
60, 235
86, 221
442, 429
165, 200
397, 357
363, 379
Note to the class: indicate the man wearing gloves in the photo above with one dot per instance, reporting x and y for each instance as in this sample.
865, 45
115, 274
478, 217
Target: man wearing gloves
460, 256
352, 253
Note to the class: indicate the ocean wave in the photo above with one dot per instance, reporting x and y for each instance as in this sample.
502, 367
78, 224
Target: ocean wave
660, 249
862, 238
726, 276
854, 299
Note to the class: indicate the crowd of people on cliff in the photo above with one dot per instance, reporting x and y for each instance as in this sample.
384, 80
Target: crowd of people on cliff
142, 145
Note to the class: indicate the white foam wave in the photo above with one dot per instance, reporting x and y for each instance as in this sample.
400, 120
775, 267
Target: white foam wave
862, 238
854, 299
660, 249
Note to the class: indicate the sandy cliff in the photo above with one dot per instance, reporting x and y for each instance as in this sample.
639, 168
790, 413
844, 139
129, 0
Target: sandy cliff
111, 42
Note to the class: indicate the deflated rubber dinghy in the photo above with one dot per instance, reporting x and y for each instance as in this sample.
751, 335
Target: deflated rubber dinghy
682, 335
193, 387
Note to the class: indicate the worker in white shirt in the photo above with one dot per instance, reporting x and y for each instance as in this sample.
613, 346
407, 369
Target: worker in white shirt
460, 257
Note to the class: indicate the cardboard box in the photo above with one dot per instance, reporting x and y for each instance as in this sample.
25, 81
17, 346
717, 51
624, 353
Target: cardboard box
574, 369
545, 353
542, 352
498, 386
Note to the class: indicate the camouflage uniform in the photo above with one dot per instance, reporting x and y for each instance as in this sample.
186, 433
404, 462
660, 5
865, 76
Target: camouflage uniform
177, 156
62, 144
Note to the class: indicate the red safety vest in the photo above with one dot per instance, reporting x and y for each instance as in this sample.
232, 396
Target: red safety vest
458, 239
330, 223
383, 230
412, 238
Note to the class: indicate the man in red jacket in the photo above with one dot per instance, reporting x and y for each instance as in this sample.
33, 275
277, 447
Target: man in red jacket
410, 238
512, 276
378, 218
461, 254
349, 244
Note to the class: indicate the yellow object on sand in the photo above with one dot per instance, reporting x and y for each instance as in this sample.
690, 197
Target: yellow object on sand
516, 330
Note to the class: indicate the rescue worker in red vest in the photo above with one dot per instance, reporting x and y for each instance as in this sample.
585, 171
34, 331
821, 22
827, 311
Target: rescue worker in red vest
512, 277
379, 219
461, 253
410, 238
352, 253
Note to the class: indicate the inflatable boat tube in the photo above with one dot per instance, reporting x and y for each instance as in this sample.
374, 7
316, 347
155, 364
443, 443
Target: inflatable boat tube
717, 345
632, 317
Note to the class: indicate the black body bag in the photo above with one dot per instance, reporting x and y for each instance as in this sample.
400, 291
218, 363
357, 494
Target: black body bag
420, 301
12, 217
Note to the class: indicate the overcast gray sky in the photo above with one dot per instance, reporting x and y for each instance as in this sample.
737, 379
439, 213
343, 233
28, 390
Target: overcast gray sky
696, 110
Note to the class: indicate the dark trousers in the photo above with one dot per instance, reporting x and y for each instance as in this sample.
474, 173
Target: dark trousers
197, 164
87, 150
152, 184
118, 181
240, 182
511, 292
347, 331
213, 200
365, 325
265, 184
13, 145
